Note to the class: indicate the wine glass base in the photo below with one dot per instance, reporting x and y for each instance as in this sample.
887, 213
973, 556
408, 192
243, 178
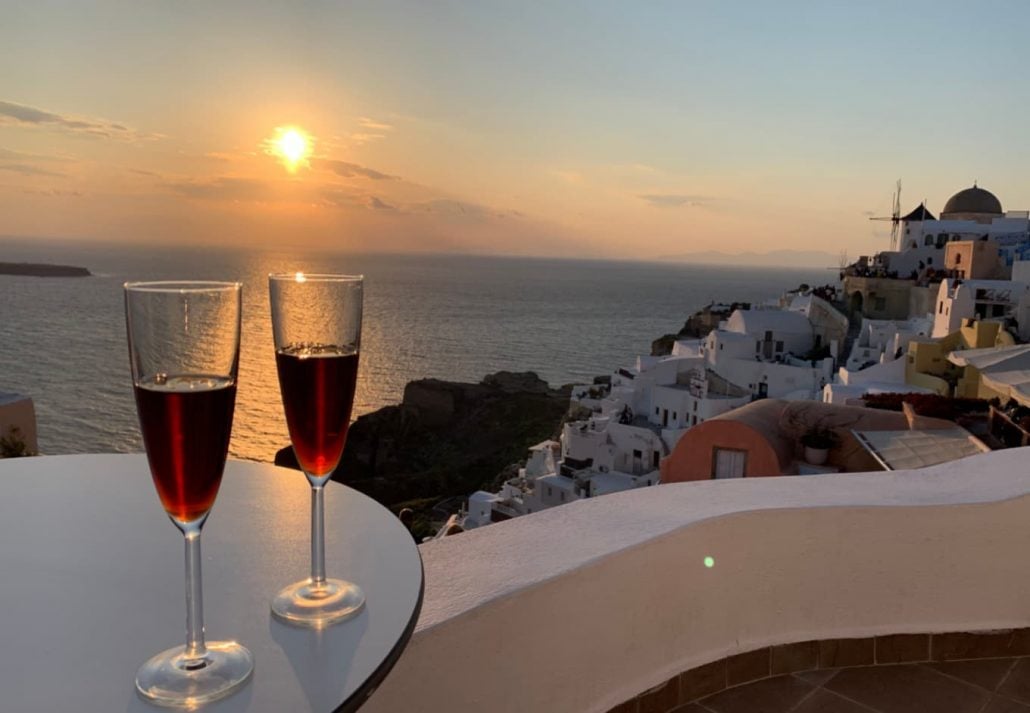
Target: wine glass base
317, 606
170, 679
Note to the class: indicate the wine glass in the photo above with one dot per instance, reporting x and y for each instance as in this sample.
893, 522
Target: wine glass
316, 324
184, 347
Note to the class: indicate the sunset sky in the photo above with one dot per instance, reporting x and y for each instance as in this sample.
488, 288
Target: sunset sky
594, 129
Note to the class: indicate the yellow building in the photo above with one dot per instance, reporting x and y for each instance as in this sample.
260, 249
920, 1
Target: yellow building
999, 372
927, 364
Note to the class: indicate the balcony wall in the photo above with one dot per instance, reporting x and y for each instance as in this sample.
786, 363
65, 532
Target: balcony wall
582, 607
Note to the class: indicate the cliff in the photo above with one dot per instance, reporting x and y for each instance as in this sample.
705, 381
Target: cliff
698, 325
447, 439
32, 269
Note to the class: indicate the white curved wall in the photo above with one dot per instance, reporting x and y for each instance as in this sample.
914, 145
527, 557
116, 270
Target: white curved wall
582, 607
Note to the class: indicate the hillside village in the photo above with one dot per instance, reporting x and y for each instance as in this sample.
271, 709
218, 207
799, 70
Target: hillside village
918, 356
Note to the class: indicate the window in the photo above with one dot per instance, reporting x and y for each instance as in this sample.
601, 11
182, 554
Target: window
548, 491
940, 307
693, 420
728, 463
779, 346
768, 336
958, 259
695, 407
880, 304
928, 240
637, 454
655, 457
758, 347
998, 310
720, 347
656, 411
675, 415
929, 261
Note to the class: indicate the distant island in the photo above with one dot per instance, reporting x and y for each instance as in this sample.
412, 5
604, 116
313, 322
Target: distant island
33, 269
778, 258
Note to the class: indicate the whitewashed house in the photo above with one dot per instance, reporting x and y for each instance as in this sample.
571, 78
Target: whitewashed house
763, 352
637, 418
958, 300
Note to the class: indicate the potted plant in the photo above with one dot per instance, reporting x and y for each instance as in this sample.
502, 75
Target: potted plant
818, 440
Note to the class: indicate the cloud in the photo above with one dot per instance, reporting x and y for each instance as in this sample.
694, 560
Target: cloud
223, 188
353, 170
363, 138
26, 169
377, 204
54, 192
368, 123
869, 213
21, 115
674, 200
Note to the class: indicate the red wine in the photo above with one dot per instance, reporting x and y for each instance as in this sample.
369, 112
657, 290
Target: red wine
317, 384
186, 422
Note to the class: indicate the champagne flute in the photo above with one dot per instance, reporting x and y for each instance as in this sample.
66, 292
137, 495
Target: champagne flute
184, 347
316, 324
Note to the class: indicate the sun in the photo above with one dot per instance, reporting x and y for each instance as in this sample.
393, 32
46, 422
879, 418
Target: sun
292, 145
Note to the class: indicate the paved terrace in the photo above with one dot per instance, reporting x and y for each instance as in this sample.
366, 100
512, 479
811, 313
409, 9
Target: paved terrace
895, 592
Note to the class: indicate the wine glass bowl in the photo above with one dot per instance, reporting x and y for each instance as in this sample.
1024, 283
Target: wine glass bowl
316, 326
184, 340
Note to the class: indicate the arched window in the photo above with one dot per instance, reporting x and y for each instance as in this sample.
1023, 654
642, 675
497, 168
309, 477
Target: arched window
958, 259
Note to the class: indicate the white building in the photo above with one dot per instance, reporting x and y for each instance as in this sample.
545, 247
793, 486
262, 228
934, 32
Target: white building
636, 419
883, 340
763, 352
970, 214
958, 300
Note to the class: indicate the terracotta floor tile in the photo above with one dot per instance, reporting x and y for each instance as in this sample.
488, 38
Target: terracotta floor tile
689, 708
773, 695
818, 678
822, 701
629, 706
788, 658
1005, 705
846, 652
907, 689
986, 673
1017, 685
956, 646
902, 648
703, 681
750, 666
660, 699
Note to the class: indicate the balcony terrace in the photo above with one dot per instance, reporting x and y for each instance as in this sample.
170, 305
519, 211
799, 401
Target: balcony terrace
849, 593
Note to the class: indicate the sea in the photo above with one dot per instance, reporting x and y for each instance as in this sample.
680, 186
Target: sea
452, 317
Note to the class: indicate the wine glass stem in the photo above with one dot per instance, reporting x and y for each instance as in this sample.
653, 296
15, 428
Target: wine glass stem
196, 650
318, 534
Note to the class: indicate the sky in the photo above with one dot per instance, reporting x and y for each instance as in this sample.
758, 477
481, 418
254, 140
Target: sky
637, 130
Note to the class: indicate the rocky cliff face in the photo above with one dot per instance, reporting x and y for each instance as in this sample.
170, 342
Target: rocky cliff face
698, 325
446, 438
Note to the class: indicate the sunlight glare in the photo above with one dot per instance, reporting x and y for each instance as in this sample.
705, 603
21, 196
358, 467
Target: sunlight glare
293, 146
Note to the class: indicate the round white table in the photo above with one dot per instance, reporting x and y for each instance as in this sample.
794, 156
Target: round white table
92, 585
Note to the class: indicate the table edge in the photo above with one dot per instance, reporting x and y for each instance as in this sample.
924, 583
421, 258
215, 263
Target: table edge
363, 692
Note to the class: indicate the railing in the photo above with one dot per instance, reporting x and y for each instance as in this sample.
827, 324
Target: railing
630, 589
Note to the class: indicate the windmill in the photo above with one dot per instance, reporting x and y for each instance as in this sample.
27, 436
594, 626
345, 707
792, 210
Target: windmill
894, 217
